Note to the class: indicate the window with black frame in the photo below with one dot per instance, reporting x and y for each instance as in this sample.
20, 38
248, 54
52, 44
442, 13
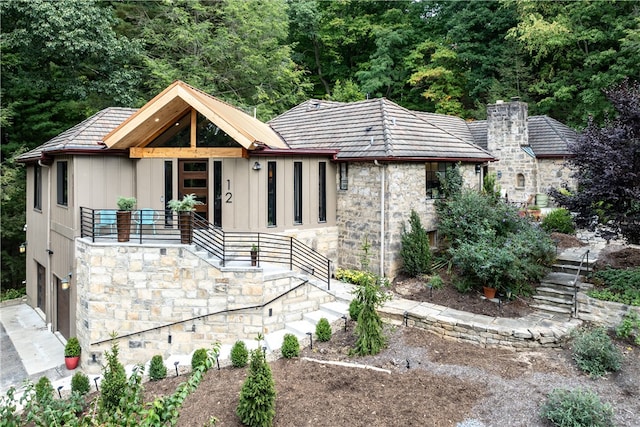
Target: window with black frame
62, 184
432, 170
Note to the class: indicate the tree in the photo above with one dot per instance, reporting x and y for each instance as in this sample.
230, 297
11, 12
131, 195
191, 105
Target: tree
415, 251
606, 161
257, 405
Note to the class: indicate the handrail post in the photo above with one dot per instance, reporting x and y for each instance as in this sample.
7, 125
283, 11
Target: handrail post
328, 274
291, 253
139, 225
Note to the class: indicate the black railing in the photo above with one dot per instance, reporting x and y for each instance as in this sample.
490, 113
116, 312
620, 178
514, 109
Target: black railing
229, 247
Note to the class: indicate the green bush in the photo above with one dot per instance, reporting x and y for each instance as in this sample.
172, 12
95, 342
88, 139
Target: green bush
574, 408
257, 405
617, 285
290, 346
558, 220
44, 390
354, 309
239, 354
198, 358
323, 330
114, 381
436, 282
157, 368
8, 294
80, 383
629, 328
370, 338
463, 284
415, 251
595, 353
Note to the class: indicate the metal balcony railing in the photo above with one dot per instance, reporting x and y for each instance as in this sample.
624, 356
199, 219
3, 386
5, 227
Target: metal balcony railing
229, 247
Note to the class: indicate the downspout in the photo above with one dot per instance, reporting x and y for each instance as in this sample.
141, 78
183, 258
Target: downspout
49, 286
382, 215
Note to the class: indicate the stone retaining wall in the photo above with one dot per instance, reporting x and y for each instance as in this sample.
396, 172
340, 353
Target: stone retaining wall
604, 313
131, 288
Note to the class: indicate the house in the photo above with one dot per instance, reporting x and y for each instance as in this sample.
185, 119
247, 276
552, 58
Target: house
307, 190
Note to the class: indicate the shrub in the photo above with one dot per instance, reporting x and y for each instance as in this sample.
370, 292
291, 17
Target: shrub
257, 405
157, 368
415, 251
323, 330
114, 380
369, 328
569, 408
80, 383
198, 358
558, 220
8, 294
239, 354
621, 286
463, 284
290, 346
354, 309
72, 348
436, 282
595, 353
44, 390
629, 328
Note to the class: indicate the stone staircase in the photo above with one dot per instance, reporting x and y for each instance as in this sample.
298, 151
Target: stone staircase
556, 292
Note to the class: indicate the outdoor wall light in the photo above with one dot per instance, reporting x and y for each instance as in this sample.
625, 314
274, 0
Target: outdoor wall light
23, 247
66, 281
478, 168
256, 166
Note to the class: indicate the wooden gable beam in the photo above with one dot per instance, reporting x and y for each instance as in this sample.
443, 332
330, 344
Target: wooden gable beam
187, 153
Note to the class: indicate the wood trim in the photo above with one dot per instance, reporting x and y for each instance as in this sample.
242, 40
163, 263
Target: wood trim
187, 153
194, 128
159, 131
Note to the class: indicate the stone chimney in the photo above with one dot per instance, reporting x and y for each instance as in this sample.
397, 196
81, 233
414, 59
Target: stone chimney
507, 125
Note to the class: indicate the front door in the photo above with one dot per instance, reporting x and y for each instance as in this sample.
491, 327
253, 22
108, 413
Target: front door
42, 287
63, 321
193, 178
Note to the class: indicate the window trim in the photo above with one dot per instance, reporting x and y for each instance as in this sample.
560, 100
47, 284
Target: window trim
271, 195
344, 176
37, 187
433, 187
322, 192
62, 183
297, 193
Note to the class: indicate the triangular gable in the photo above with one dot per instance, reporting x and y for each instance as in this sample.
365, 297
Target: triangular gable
175, 101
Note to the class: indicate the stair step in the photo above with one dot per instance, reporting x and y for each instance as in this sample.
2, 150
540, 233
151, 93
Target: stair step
553, 300
557, 291
300, 328
553, 308
336, 308
315, 316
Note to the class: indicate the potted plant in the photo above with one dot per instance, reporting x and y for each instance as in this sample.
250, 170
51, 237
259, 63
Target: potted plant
184, 208
125, 206
534, 211
72, 353
254, 255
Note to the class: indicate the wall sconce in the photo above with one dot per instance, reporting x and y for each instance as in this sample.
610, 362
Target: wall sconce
256, 166
23, 247
65, 283
478, 168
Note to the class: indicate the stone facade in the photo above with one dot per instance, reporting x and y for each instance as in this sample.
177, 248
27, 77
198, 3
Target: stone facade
552, 173
359, 211
148, 293
604, 313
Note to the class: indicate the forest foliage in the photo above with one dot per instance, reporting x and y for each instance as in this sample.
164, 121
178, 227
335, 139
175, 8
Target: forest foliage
63, 61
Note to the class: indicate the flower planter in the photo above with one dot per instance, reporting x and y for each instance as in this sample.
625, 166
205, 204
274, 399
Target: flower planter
71, 362
124, 225
185, 223
489, 293
254, 258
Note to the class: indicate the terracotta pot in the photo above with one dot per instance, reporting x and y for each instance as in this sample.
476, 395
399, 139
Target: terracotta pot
124, 225
490, 293
71, 362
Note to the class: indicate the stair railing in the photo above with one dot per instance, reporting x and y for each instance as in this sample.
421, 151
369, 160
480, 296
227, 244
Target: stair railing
575, 282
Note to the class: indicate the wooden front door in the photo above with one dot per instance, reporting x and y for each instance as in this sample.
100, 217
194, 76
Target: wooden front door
193, 178
42, 287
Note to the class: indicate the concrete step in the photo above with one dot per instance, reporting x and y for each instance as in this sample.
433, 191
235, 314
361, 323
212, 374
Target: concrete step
300, 328
335, 308
553, 300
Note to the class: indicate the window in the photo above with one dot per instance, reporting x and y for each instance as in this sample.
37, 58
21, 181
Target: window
520, 181
37, 187
271, 194
63, 181
344, 176
434, 188
168, 191
297, 192
322, 191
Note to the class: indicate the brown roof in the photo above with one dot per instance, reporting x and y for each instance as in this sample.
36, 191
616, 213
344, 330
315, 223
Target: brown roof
178, 98
372, 129
84, 136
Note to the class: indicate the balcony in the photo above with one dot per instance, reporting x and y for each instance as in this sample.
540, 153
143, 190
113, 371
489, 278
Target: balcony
147, 226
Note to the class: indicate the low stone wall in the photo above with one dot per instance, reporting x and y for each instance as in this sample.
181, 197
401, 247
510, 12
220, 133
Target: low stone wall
604, 313
148, 293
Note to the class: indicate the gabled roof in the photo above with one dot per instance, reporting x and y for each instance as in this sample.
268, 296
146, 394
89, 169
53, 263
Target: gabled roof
175, 101
84, 136
372, 129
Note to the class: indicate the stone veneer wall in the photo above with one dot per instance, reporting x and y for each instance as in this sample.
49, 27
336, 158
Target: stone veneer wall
605, 313
359, 211
553, 173
130, 288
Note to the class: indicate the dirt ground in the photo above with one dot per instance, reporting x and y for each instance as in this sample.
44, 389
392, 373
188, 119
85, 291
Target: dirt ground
432, 381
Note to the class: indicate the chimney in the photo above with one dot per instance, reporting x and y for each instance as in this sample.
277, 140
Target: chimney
507, 125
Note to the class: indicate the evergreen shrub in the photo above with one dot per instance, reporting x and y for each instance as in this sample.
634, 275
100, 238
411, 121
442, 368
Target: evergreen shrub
290, 346
44, 390
257, 405
323, 330
157, 368
415, 251
239, 354
572, 408
558, 220
199, 358
595, 353
355, 307
114, 381
80, 383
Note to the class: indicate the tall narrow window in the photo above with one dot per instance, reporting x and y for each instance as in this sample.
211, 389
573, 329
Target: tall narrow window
168, 191
62, 185
297, 192
344, 175
271, 194
520, 181
322, 191
37, 187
